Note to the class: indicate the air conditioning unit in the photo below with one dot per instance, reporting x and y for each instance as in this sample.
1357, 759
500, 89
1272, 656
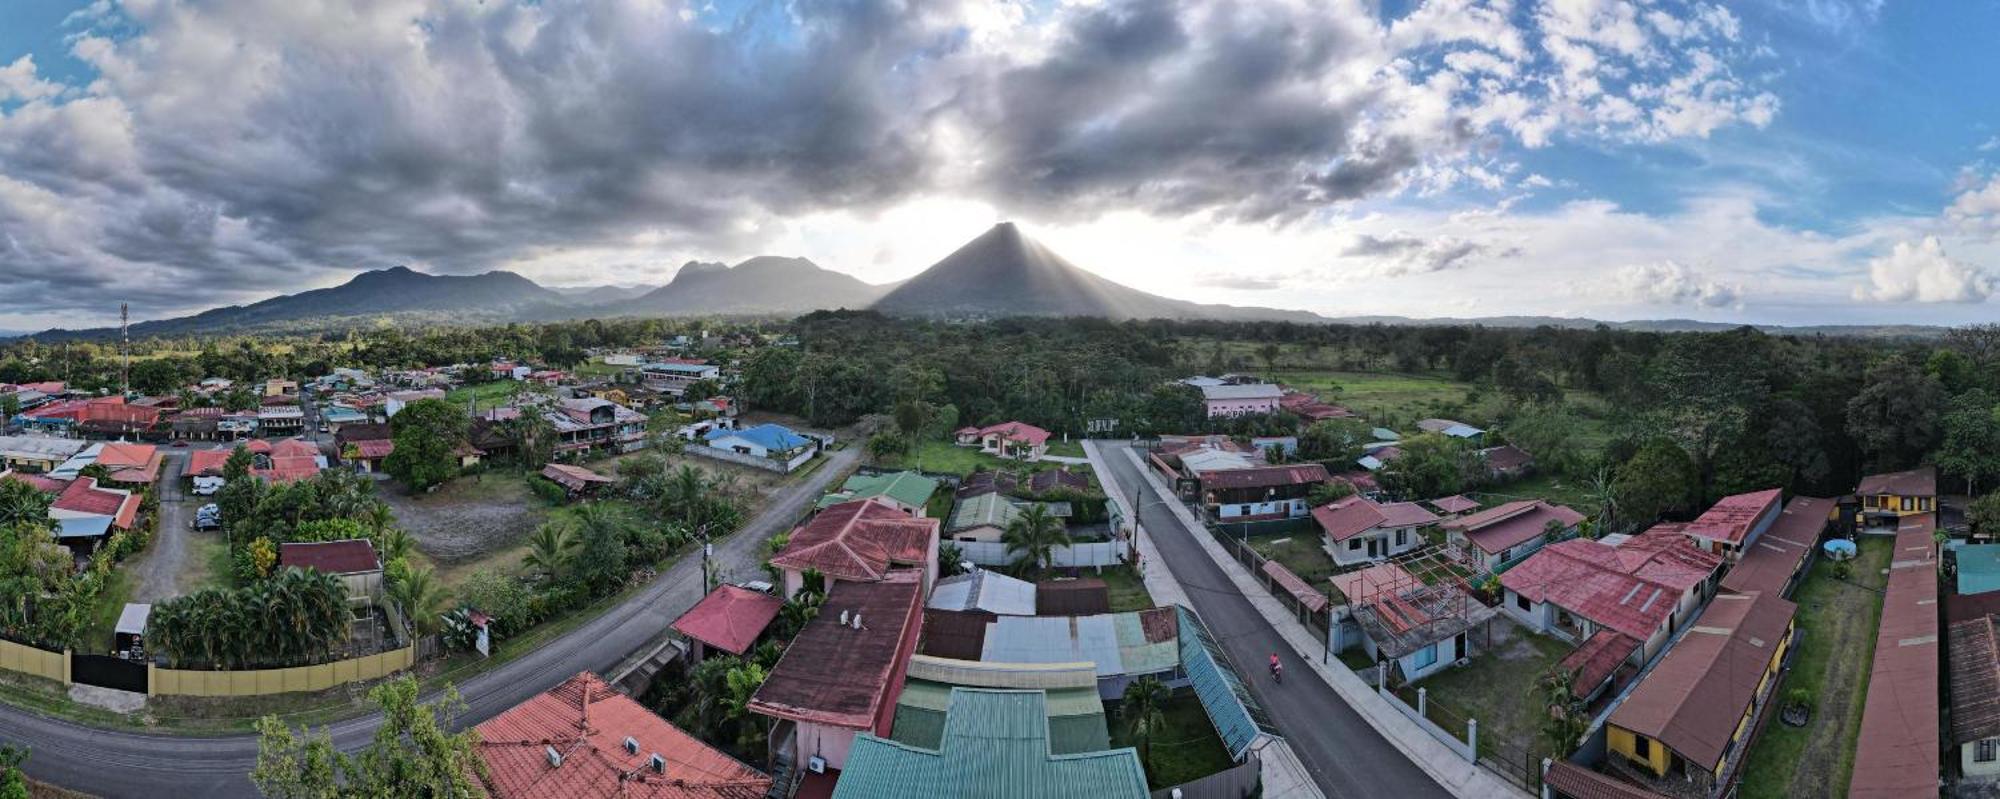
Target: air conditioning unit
816, 764
554, 757
631, 745
657, 764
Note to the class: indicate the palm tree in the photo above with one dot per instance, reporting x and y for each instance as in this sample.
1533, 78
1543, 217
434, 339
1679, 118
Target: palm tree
379, 518
393, 544
740, 685
22, 505
550, 550
1144, 713
1035, 534
422, 599
1599, 489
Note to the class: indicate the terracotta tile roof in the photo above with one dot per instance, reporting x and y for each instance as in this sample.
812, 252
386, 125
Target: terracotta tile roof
1696, 694
858, 541
1770, 563
1017, 431
1454, 504
371, 449
1496, 529
207, 461
1599, 658
587, 722
1913, 483
1975, 681
1313, 598
1265, 476
729, 618
131, 463
844, 677
82, 495
1897, 752
1630, 590
1577, 782
351, 556
1732, 518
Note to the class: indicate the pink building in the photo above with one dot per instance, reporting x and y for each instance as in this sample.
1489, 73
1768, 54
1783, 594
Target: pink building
1240, 400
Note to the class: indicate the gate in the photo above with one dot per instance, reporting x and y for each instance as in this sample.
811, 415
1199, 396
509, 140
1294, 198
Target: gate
105, 671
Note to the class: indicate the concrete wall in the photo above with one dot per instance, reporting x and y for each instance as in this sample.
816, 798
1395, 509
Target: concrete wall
187, 682
34, 662
1969, 765
767, 464
1096, 553
1345, 553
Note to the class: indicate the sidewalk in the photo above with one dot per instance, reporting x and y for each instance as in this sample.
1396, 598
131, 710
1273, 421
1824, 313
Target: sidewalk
1448, 768
1284, 776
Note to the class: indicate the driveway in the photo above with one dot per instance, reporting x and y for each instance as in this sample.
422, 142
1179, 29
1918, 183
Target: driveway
118, 763
158, 570
1344, 754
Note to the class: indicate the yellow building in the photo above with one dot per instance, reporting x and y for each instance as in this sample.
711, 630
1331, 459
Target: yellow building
1885, 498
1690, 718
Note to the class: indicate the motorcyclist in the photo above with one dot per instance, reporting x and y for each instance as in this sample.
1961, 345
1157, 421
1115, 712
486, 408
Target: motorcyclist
1277, 669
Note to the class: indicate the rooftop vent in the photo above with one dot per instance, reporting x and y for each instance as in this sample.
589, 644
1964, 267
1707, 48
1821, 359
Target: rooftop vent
857, 621
843, 618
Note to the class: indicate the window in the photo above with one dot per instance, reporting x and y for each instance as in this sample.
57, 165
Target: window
1642, 747
1243, 510
1923, 503
1425, 658
1402, 538
1986, 751
1909, 503
1354, 545
1521, 602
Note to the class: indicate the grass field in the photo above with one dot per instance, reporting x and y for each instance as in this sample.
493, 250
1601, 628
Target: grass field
1398, 399
1067, 449
945, 457
1301, 553
488, 394
104, 615
1838, 620
1187, 749
1542, 486
1128, 591
1498, 686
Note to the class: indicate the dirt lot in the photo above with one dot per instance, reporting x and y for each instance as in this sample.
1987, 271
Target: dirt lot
468, 518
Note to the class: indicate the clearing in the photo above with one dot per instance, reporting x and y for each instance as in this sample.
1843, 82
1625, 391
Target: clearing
1186, 749
1498, 687
1300, 552
1837, 620
468, 518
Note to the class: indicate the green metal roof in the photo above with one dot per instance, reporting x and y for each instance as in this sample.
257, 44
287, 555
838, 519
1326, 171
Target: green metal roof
909, 488
1076, 717
982, 511
994, 744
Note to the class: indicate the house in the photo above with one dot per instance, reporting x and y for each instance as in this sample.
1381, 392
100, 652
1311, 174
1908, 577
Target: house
1897, 751
909, 492
1690, 718
1451, 428
280, 420
1454, 505
859, 542
1261, 493
1647, 587
84, 512
1240, 400
774, 444
576, 481
1359, 530
585, 739
36, 454
1122, 646
1776, 563
984, 590
1595, 665
278, 387
1975, 698
394, 402
352, 560
1886, 498
112, 417
1735, 522
986, 481
364, 445
590, 424
982, 518
673, 377
1502, 534
548, 377
1506, 462
730, 619
841, 676
1417, 627
994, 743
129, 465
1010, 440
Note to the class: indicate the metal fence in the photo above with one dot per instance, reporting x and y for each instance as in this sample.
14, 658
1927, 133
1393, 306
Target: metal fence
1316, 621
1509, 759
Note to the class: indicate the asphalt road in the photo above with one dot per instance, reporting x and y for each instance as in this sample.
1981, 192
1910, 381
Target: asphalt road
116, 763
1345, 756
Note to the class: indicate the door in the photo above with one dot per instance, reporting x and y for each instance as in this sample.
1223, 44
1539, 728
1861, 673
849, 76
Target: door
1374, 548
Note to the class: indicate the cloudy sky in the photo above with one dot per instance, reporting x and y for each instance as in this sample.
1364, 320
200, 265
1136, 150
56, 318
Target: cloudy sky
1788, 161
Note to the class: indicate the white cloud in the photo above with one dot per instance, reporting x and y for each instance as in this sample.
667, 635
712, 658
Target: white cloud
19, 81
1922, 272
1977, 205
1672, 283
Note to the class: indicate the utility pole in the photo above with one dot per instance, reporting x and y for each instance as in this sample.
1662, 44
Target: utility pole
124, 350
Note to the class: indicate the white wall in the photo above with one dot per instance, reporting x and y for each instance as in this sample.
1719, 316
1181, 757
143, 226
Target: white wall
1291, 508
1096, 553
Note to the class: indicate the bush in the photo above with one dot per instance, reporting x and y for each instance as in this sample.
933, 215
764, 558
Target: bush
548, 490
504, 598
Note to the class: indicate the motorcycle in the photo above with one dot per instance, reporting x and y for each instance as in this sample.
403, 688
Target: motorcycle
1278, 672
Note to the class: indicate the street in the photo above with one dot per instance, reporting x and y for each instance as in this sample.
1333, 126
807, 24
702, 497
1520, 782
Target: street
1344, 754
116, 763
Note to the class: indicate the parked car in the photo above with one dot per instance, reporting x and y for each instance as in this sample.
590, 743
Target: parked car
207, 486
208, 517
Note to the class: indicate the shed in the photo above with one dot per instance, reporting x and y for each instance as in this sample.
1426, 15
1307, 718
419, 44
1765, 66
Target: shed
130, 633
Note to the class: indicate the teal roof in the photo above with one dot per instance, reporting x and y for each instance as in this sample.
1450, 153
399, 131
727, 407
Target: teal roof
1235, 714
910, 488
994, 744
1076, 717
1978, 568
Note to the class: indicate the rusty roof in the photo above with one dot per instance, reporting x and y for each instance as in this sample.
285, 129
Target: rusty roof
1897, 752
352, 556
1732, 518
1697, 693
1769, 564
845, 677
1921, 482
1498, 528
1577, 782
1596, 660
1265, 476
858, 540
1975, 681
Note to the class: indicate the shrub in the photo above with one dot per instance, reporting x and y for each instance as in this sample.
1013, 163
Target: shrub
548, 490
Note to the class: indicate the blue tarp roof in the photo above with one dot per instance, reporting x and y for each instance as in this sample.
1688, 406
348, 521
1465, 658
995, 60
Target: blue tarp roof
769, 436
1979, 568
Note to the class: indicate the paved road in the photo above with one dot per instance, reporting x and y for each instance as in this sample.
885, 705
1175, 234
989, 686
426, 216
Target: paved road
1345, 755
119, 764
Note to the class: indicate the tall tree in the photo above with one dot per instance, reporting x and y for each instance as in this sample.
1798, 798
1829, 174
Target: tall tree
1143, 709
1035, 534
1971, 447
428, 434
1894, 417
1658, 479
413, 753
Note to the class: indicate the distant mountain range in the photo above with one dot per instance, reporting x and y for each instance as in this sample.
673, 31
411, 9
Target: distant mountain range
1000, 273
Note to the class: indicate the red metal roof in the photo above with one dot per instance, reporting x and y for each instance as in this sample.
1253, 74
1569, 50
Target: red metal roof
1577, 782
1454, 504
1314, 599
83, 496
729, 618
207, 461
587, 722
1698, 692
858, 540
352, 556
1920, 482
1017, 431
371, 449
42, 483
1632, 592
1599, 658
1498, 528
1770, 563
1731, 518
1265, 476
838, 675
1897, 752
1347, 518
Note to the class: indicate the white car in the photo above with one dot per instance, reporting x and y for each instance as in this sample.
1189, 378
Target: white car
207, 486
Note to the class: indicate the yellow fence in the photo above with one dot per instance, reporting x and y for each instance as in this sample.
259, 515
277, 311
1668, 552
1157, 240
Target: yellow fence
180, 682
36, 662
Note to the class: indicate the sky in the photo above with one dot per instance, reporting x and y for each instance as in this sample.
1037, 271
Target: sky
1768, 161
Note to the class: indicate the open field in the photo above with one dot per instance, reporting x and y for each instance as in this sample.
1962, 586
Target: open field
1561, 491
1301, 553
1187, 749
1836, 651
487, 394
1396, 398
468, 518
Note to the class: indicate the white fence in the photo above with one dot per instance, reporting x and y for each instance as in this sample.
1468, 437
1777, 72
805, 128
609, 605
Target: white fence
767, 464
993, 553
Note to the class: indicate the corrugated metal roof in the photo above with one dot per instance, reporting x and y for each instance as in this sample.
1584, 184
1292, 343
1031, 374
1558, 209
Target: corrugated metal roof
985, 590
994, 744
1076, 717
1897, 752
1137, 642
1236, 716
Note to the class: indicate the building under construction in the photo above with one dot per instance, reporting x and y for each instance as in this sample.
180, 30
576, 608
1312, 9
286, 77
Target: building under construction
1416, 613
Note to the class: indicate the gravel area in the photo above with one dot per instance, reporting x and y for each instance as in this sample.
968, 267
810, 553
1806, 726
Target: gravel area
467, 518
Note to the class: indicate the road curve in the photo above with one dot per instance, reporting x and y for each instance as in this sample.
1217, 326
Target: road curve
1345, 755
121, 763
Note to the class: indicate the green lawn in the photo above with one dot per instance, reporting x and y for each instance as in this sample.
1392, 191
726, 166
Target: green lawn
1559, 490
1128, 590
1067, 449
945, 457
1498, 686
1300, 553
1186, 749
1836, 654
1398, 398
596, 367
104, 615
488, 394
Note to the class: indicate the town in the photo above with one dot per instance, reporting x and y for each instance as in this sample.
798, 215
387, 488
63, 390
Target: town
1259, 560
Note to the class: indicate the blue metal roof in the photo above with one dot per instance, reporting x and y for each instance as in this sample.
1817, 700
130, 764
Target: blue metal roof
775, 437
1236, 716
